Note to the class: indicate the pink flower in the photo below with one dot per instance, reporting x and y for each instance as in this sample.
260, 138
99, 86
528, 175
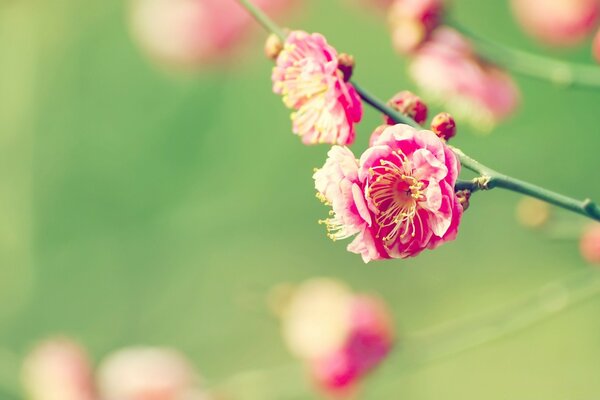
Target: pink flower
340, 335
448, 70
557, 22
596, 47
589, 244
412, 21
398, 199
306, 74
191, 33
58, 370
148, 374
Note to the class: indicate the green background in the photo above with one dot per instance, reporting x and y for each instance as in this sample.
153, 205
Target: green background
141, 208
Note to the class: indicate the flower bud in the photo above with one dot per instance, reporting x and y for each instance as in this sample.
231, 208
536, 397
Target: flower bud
273, 46
409, 104
346, 65
589, 244
58, 370
464, 197
596, 47
444, 126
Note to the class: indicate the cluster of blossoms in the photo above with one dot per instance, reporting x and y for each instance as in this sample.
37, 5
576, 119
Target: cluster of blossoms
339, 334
191, 33
399, 198
60, 370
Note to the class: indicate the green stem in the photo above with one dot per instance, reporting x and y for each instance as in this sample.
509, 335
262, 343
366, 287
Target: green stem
535, 66
488, 178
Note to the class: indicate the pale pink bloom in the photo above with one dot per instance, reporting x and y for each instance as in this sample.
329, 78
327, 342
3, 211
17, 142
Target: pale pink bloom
340, 335
58, 370
398, 199
449, 72
596, 47
412, 21
148, 373
191, 33
557, 22
306, 75
589, 244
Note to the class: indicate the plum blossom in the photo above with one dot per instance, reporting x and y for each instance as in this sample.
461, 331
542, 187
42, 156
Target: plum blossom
148, 373
412, 21
398, 199
557, 22
448, 71
589, 244
58, 369
339, 334
306, 74
191, 33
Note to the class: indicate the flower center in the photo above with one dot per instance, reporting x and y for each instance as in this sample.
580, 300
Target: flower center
395, 194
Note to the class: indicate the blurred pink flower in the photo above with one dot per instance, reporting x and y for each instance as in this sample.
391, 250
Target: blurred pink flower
596, 47
306, 74
589, 244
340, 335
58, 370
147, 373
412, 21
557, 22
448, 71
190, 33
399, 198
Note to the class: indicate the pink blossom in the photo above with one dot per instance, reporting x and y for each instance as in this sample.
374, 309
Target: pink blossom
412, 21
306, 74
191, 33
369, 340
398, 199
589, 244
146, 373
557, 22
596, 47
339, 334
58, 370
448, 71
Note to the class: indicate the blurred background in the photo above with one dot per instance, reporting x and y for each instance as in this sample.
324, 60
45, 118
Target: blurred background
144, 206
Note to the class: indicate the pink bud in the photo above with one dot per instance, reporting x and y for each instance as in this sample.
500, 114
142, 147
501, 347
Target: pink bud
444, 126
557, 22
464, 198
58, 370
412, 21
596, 47
590, 244
273, 46
346, 65
146, 373
410, 105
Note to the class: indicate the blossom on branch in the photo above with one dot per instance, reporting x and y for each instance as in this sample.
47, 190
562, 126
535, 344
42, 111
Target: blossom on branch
449, 71
398, 199
412, 21
325, 105
557, 22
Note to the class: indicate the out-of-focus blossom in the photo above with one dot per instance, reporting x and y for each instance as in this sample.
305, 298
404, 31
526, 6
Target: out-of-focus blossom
596, 47
58, 370
341, 335
444, 126
448, 71
306, 74
412, 21
410, 105
398, 199
532, 213
557, 22
190, 33
589, 244
147, 373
